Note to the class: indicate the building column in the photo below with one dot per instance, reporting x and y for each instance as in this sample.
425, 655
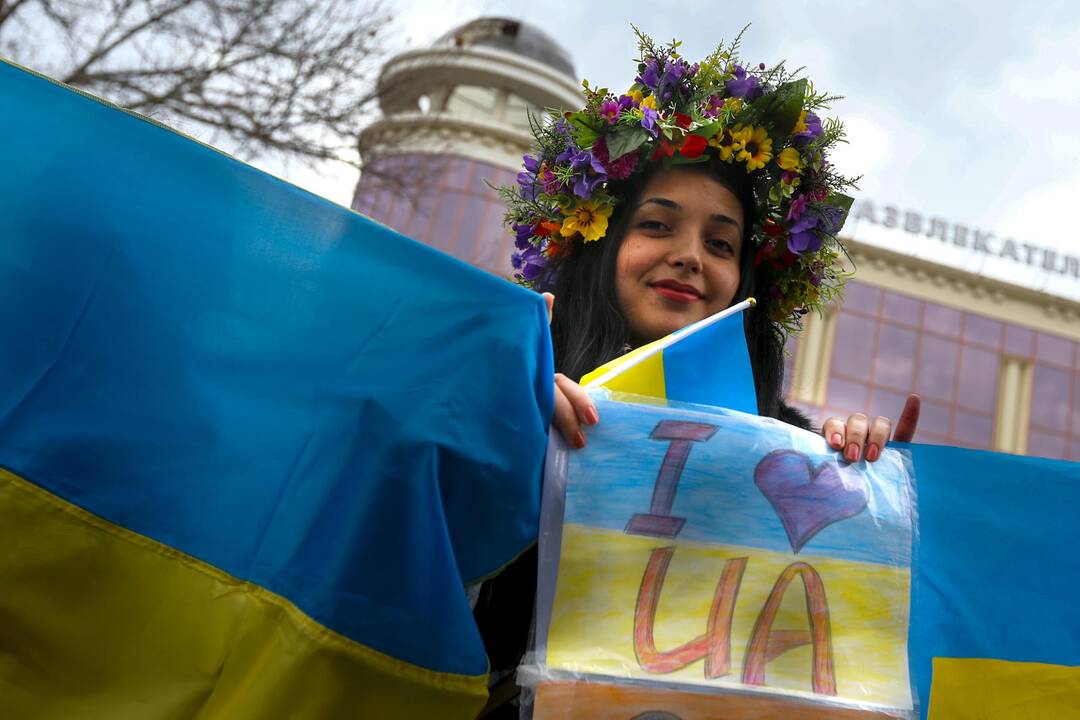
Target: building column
1014, 406
811, 374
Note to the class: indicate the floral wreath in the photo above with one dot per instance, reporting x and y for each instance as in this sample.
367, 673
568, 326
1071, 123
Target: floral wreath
677, 113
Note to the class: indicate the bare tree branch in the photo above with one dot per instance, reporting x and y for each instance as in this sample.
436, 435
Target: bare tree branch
292, 78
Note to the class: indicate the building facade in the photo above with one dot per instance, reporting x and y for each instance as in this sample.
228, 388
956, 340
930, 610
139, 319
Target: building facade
997, 364
456, 122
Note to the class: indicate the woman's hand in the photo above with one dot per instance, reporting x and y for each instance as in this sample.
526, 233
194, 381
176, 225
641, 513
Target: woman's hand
573, 406
859, 434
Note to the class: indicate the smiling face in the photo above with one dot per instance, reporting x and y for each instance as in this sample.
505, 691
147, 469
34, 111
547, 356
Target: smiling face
679, 260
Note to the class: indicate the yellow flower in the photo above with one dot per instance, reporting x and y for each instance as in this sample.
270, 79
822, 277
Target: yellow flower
800, 124
757, 148
635, 95
789, 159
733, 105
589, 219
725, 143
649, 102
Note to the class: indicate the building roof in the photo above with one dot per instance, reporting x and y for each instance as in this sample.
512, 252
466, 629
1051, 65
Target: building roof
514, 36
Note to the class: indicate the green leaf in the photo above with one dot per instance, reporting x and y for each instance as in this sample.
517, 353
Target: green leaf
789, 105
624, 140
584, 132
680, 160
707, 131
841, 201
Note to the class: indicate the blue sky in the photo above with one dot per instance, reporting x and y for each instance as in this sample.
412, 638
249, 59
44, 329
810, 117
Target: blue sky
969, 112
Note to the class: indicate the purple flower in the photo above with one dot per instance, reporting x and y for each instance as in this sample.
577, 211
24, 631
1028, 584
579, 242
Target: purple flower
530, 263
588, 170
531, 163
527, 182
650, 76
522, 234
648, 121
802, 237
626, 102
743, 85
551, 184
609, 110
712, 107
798, 206
813, 129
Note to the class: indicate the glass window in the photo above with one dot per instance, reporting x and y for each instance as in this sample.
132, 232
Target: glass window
894, 363
854, 348
1053, 349
471, 101
1046, 444
1019, 341
444, 229
846, 394
978, 381
973, 429
942, 319
885, 403
518, 110
901, 308
862, 298
933, 419
1051, 393
937, 368
456, 174
982, 330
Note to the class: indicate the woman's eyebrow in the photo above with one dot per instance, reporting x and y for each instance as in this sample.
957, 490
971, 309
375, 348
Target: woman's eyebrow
716, 217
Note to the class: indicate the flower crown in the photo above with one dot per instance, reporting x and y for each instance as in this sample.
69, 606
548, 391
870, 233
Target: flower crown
677, 113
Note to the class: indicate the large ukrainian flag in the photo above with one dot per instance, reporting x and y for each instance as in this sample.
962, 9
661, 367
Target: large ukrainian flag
252, 445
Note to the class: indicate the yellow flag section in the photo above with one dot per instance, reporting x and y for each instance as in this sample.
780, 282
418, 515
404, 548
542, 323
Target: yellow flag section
700, 600
646, 378
160, 634
987, 689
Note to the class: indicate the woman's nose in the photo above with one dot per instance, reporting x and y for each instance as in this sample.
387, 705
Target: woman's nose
685, 254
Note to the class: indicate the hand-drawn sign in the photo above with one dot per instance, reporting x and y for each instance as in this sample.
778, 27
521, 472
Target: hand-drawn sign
782, 568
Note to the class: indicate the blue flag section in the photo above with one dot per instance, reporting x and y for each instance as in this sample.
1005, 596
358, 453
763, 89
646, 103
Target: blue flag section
246, 378
994, 626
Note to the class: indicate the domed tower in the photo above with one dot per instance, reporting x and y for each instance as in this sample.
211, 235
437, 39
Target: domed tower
456, 117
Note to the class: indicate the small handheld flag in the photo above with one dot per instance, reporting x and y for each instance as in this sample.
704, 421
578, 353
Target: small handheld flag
705, 363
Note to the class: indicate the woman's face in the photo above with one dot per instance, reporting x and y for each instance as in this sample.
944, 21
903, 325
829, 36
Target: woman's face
679, 261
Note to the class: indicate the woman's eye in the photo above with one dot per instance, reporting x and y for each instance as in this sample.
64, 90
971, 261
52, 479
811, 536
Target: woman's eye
720, 245
654, 225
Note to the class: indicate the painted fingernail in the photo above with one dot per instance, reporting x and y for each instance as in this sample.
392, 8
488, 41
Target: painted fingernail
579, 440
873, 452
852, 452
837, 440
591, 416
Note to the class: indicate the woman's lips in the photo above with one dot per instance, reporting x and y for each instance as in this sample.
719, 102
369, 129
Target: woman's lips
676, 291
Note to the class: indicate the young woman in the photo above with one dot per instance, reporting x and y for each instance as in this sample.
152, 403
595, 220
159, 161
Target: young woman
700, 186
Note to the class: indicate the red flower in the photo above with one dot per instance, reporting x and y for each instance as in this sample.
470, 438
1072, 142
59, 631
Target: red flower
683, 121
773, 228
664, 149
547, 227
693, 146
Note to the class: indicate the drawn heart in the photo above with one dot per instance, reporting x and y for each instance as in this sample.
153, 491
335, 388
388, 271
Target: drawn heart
807, 499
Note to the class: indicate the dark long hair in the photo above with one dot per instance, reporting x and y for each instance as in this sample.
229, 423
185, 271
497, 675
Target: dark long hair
588, 327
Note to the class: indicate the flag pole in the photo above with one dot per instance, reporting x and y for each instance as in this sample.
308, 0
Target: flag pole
669, 340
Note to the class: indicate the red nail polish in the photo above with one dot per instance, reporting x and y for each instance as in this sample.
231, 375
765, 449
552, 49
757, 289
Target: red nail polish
873, 452
852, 453
591, 416
579, 440
837, 440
